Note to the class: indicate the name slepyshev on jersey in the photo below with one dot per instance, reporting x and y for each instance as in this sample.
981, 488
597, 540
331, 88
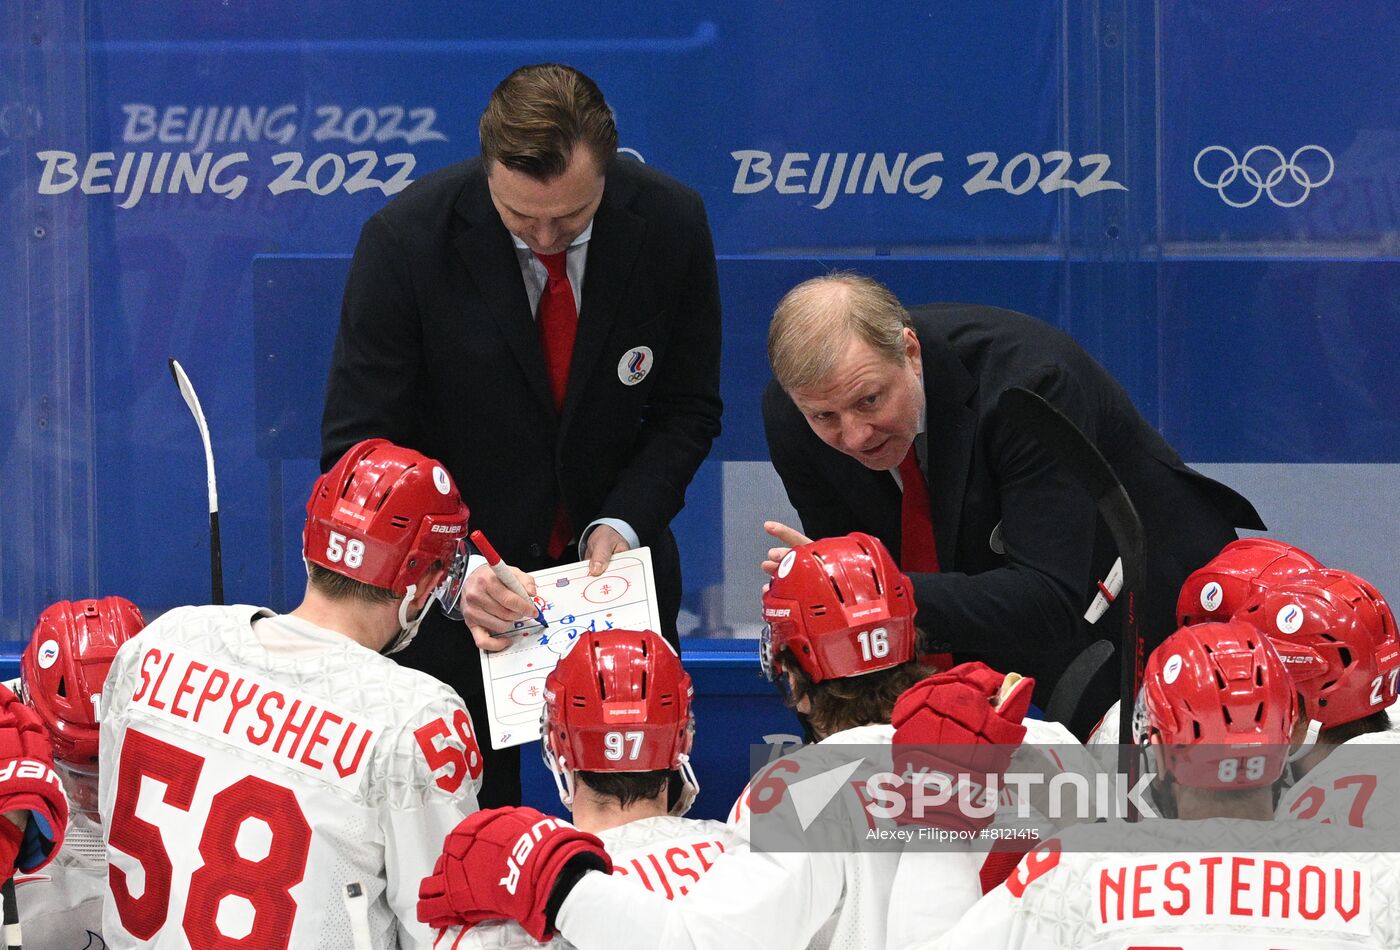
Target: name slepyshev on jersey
223, 701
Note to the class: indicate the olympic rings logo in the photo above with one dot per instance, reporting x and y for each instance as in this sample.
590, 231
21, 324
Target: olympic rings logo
1275, 168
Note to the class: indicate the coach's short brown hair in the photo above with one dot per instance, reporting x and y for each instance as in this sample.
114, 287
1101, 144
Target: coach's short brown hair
539, 114
816, 319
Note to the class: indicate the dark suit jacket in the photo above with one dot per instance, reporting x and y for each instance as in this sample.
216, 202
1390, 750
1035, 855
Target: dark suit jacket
1023, 609
438, 350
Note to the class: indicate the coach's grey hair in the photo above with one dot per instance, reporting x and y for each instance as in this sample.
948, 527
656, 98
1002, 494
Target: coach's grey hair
815, 319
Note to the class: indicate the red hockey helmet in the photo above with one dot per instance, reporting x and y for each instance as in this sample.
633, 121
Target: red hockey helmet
1337, 637
1217, 590
842, 607
385, 516
65, 664
619, 701
1217, 698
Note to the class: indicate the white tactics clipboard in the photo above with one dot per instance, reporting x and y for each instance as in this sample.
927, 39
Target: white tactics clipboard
623, 597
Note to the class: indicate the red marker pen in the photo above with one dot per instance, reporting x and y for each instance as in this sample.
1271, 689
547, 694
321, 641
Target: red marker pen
498, 567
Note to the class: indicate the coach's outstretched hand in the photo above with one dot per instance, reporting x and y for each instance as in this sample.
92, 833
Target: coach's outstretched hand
28, 785
951, 723
506, 863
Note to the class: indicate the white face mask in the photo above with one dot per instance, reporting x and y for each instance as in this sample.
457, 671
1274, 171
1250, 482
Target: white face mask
408, 629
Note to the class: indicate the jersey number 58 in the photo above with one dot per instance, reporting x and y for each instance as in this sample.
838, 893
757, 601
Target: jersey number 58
265, 883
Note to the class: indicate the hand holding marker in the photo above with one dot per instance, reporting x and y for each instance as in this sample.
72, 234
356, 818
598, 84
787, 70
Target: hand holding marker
499, 568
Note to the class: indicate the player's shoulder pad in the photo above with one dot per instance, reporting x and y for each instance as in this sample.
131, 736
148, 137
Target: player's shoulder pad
433, 752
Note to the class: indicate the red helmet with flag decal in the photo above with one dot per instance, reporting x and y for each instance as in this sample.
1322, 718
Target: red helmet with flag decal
1214, 592
619, 701
1337, 637
841, 606
66, 663
1220, 706
388, 516
384, 516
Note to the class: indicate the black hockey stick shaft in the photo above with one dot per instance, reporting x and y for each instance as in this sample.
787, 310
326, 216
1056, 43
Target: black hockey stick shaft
216, 558
13, 938
1089, 468
216, 561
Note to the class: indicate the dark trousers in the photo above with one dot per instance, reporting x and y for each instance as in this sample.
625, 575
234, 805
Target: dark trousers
500, 778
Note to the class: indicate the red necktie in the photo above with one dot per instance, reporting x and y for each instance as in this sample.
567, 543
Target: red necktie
917, 552
558, 325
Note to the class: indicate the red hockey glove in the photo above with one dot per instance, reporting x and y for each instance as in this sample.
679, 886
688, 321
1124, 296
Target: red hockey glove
28, 782
948, 724
503, 863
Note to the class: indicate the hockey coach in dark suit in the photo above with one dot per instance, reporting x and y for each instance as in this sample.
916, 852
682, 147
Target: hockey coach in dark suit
545, 320
885, 420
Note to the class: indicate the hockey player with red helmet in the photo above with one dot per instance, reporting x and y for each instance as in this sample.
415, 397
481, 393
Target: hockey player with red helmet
1242, 568
1337, 636
277, 780
842, 637
1216, 716
1216, 590
62, 671
617, 726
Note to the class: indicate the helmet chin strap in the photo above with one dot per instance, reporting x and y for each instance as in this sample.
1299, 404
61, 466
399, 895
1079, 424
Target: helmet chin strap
408, 629
563, 777
1309, 740
690, 787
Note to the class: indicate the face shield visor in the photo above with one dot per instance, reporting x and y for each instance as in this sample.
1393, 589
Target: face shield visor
449, 590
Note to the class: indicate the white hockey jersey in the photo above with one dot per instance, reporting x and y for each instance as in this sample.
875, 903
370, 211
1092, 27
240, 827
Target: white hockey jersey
60, 905
1106, 732
254, 766
1357, 785
1220, 884
665, 855
919, 904
764, 899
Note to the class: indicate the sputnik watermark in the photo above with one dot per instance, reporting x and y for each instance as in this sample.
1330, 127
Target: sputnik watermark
926, 793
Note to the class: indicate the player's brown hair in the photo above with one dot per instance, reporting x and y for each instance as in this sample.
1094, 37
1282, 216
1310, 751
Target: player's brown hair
539, 114
626, 787
1378, 721
851, 701
339, 587
814, 321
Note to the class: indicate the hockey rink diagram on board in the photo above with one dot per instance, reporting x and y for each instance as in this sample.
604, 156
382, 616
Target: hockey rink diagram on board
623, 597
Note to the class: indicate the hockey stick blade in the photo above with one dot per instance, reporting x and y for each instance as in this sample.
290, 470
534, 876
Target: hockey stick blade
216, 560
1053, 429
